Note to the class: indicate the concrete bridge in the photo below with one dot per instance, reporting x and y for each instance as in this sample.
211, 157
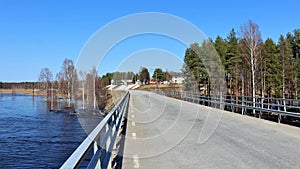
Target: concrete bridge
162, 132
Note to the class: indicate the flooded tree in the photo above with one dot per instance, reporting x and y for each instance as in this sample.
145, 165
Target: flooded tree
91, 86
83, 86
46, 77
94, 75
69, 74
60, 84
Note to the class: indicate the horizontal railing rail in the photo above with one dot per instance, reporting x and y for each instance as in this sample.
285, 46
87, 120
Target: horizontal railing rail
102, 139
277, 106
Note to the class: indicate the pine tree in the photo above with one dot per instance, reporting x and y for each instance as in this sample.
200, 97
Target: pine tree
270, 68
296, 60
192, 69
221, 47
234, 60
285, 56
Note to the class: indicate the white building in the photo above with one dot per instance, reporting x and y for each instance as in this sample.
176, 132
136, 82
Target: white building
178, 80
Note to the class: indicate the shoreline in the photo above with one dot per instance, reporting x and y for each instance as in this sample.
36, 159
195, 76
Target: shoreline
37, 92
109, 102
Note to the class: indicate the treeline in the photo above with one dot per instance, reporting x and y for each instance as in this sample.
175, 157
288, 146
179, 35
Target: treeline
143, 76
19, 85
252, 67
118, 77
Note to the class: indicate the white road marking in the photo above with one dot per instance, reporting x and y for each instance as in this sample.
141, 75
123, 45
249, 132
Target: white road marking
134, 135
136, 163
133, 123
132, 111
132, 116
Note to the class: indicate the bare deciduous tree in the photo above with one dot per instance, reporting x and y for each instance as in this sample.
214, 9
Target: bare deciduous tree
252, 48
94, 74
45, 77
83, 80
69, 73
61, 83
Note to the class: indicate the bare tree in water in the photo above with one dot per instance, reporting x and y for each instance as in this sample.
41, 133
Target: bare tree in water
46, 77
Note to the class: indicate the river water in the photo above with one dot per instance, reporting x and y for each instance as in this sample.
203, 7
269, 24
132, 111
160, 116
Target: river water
33, 137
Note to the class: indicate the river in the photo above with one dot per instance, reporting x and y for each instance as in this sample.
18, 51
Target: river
33, 137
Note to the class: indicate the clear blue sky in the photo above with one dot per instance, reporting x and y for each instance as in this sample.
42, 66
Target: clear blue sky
36, 34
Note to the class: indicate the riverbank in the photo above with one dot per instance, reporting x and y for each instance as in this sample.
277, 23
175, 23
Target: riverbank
37, 92
109, 101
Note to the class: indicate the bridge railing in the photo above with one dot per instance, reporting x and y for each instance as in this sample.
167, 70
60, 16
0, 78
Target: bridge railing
102, 139
263, 105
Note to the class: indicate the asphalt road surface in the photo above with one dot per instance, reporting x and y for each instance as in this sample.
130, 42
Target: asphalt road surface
168, 133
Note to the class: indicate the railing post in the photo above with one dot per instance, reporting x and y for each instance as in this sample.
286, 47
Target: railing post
96, 148
278, 105
193, 98
231, 105
261, 106
242, 105
268, 103
279, 118
108, 142
215, 101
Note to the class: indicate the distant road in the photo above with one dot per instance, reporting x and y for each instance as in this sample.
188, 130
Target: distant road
159, 136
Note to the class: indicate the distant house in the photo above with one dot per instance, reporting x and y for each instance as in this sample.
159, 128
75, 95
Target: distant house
127, 82
178, 80
152, 81
121, 82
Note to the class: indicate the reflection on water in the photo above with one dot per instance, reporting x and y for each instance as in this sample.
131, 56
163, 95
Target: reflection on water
33, 137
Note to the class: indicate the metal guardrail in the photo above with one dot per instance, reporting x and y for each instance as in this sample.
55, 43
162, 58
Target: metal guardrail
102, 139
277, 106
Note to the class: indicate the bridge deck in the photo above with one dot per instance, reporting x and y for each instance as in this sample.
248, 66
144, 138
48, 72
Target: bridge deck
169, 133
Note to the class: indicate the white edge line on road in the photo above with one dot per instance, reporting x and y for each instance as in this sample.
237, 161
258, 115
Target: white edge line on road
134, 135
136, 161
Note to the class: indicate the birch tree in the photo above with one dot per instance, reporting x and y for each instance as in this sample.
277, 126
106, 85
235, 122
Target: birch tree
94, 74
83, 80
69, 73
61, 83
251, 51
46, 77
